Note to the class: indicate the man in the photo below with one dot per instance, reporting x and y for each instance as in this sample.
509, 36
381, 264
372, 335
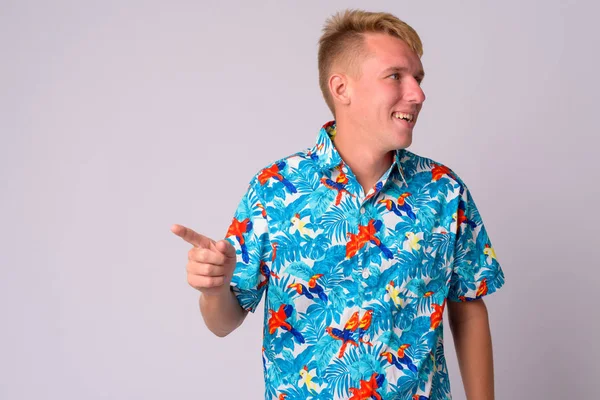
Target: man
357, 243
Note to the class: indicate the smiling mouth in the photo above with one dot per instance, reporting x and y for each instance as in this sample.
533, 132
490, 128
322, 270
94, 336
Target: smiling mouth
404, 116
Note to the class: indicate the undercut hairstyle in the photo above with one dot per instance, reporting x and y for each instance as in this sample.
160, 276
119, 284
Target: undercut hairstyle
342, 44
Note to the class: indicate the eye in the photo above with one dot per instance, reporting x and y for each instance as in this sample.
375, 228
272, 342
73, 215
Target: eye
395, 76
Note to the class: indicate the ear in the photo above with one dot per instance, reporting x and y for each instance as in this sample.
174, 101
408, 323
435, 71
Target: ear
339, 88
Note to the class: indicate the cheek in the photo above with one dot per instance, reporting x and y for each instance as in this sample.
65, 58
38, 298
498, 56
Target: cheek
389, 97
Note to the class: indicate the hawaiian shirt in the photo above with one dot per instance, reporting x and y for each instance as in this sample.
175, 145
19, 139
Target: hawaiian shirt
356, 283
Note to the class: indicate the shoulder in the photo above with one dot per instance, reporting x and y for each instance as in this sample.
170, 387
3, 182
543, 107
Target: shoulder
431, 171
281, 168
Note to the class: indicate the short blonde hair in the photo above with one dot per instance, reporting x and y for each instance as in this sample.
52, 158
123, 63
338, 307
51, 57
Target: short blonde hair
342, 41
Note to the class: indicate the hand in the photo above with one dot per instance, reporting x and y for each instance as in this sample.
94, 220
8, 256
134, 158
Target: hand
211, 264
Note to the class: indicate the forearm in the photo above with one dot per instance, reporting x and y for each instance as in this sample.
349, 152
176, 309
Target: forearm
222, 313
473, 344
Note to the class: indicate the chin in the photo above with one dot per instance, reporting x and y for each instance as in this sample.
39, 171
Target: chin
407, 144
404, 145
403, 141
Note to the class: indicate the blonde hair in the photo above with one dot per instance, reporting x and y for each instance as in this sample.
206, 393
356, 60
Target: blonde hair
342, 42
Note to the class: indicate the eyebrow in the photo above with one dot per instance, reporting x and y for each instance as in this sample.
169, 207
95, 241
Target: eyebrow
420, 74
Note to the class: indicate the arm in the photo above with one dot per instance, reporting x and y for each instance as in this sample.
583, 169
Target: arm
209, 269
221, 312
473, 342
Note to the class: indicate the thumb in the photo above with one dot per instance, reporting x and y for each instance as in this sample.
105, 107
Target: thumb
225, 247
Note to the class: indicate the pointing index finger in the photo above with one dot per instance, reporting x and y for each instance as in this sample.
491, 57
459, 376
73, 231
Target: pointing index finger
190, 236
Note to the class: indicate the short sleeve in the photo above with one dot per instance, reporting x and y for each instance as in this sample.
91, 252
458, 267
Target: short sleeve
475, 270
248, 233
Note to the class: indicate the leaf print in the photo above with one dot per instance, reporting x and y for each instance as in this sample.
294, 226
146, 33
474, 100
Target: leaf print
406, 385
355, 287
314, 325
330, 262
336, 222
325, 351
320, 200
277, 297
316, 248
390, 339
305, 177
300, 270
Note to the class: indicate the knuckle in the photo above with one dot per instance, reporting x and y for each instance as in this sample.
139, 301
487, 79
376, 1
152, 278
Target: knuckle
214, 281
222, 259
201, 255
213, 270
191, 267
204, 269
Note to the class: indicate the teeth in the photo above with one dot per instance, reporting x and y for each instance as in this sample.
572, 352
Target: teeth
407, 117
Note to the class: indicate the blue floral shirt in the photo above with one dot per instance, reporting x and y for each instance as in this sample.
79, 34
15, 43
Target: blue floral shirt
356, 283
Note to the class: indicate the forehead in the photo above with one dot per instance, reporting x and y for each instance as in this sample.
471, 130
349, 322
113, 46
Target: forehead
385, 51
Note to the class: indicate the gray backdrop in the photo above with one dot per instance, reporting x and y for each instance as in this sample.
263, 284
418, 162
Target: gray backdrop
118, 119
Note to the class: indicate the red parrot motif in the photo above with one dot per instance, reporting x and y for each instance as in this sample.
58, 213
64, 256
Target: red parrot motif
461, 217
404, 359
391, 359
366, 233
345, 335
483, 288
278, 319
404, 206
274, 171
301, 290
317, 289
368, 389
339, 185
400, 205
364, 325
354, 324
400, 359
440, 170
238, 229
437, 315
263, 211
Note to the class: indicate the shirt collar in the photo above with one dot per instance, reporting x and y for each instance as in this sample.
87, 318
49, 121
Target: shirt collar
327, 157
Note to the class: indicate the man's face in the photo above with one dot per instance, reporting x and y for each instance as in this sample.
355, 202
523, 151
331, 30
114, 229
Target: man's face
386, 92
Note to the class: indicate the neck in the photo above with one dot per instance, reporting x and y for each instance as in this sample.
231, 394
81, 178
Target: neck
367, 162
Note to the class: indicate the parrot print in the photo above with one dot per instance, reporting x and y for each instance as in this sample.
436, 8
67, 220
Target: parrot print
355, 280
346, 336
279, 320
237, 229
368, 389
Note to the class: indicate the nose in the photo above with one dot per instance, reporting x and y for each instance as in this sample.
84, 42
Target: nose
414, 92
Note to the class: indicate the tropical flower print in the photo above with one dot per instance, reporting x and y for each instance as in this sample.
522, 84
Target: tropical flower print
356, 283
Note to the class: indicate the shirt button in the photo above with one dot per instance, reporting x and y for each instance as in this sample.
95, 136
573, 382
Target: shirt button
345, 170
366, 273
362, 210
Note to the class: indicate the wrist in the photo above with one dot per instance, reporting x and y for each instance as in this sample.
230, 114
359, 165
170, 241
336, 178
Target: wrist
216, 293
